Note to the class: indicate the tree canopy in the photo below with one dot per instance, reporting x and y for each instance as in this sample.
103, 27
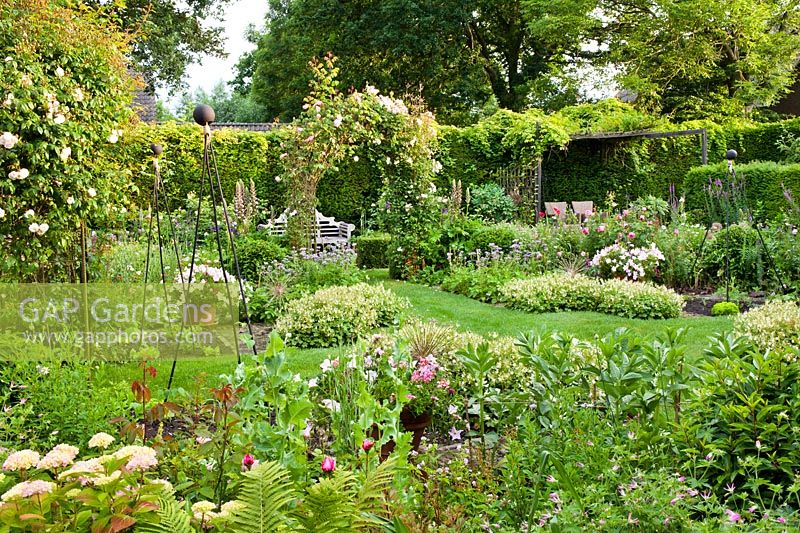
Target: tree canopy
685, 58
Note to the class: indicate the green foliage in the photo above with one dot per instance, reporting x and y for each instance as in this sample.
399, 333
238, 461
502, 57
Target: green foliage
265, 495
724, 309
171, 518
255, 251
737, 429
741, 248
490, 203
168, 37
373, 249
501, 235
64, 89
482, 284
337, 315
764, 186
772, 326
559, 292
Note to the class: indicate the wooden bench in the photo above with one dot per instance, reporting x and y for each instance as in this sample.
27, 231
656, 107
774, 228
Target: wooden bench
328, 230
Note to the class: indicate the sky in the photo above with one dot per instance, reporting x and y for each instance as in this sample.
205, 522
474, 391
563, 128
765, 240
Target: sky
210, 70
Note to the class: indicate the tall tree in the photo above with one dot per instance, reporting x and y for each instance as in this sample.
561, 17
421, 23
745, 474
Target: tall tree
693, 58
168, 35
456, 54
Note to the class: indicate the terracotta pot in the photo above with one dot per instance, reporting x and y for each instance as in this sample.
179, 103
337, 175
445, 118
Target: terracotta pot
415, 424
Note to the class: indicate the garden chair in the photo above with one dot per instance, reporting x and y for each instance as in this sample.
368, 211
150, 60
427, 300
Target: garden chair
583, 210
558, 209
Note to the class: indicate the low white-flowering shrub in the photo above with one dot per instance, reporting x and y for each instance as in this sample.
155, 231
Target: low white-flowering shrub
773, 326
337, 315
564, 292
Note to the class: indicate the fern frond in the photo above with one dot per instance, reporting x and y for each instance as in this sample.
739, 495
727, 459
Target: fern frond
328, 506
370, 499
172, 519
265, 495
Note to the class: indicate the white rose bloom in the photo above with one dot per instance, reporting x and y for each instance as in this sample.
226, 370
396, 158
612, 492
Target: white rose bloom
43, 228
60, 72
355, 158
29, 213
77, 94
2, 212
59, 119
33, 228
65, 153
8, 100
26, 80
113, 137
92, 192
8, 140
70, 200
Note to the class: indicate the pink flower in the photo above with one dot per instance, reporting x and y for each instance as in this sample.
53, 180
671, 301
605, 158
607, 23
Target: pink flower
443, 383
780, 520
555, 498
601, 229
248, 461
732, 516
677, 231
367, 444
631, 235
585, 231
328, 464
455, 434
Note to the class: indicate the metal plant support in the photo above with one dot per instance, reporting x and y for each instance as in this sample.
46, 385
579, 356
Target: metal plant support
204, 115
725, 193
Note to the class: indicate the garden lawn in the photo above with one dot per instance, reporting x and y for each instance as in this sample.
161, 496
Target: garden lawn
428, 303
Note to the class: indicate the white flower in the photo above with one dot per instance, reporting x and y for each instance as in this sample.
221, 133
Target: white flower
38, 229
327, 365
101, 440
65, 153
26, 81
312, 383
92, 193
331, 405
2, 212
278, 179
77, 94
29, 213
59, 119
70, 200
8, 140
8, 100
60, 72
113, 138
337, 121
355, 158
43, 370
20, 174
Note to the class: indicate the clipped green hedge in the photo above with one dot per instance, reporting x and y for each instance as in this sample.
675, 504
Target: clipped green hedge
764, 182
345, 193
373, 250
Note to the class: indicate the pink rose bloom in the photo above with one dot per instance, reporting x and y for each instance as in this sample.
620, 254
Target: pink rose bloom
601, 229
248, 461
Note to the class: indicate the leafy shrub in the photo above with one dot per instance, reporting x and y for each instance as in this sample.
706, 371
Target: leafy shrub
724, 309
741, 245
738, 429
481, 284
255, 251
638, 300
490, 202
501, 235
64, 96
773, 326
373, 250
560, 292
338, 315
